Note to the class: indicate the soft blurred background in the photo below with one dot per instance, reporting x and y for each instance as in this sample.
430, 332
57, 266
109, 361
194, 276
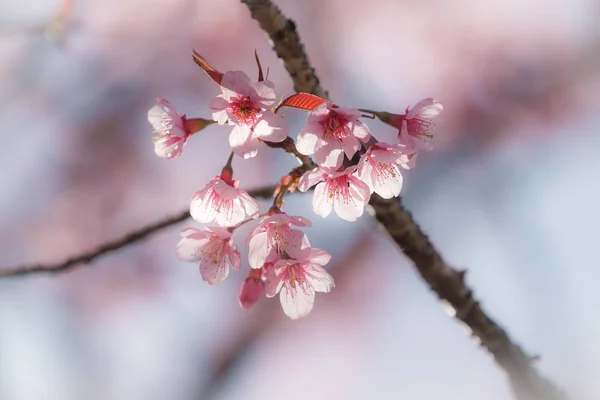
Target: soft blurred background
510, 193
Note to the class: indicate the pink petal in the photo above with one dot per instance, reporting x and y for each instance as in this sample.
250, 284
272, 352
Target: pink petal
366, 172
189, 249
273, 284
232, 215
224, 190
306, 141
389, 187
300, 221
310, 179
236, 84
250, 205
319, 279
234, 257
218, 106
321, 202
361, 131
271, 127
320, 112
297, 303
258, 250
299, 245
318, 256
238, 137
350, 145
264, 94
213, 273
329, 154
427, 108
201, 208
168, 146
220, 232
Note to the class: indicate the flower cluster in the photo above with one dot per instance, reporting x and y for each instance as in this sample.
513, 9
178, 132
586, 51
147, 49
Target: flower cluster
351, 165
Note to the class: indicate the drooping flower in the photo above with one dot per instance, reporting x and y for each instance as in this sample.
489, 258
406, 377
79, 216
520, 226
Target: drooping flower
220, 201
210, 246
337, 190
379, 168
332, 132
297, 279
251, 289
245, 106
274, 236
172, 129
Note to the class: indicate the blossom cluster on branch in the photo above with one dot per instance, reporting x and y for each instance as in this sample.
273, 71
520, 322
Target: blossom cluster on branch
281, 258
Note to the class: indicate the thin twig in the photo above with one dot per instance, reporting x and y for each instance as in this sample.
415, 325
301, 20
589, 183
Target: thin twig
447, 282
116, 244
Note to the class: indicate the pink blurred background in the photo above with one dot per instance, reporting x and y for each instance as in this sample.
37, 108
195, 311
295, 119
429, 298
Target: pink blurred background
509, 194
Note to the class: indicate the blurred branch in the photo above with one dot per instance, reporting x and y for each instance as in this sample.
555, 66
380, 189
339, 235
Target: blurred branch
447, 282
116, 244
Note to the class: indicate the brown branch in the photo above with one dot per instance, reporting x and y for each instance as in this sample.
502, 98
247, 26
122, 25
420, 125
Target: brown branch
287, 45
116, 244
447, 282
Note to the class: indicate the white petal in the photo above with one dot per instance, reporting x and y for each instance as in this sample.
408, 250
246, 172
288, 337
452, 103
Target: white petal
310, 179
307, 139
214, 273
297, 303
250, 205
258, 250
329, 154
319, 279
322, 203
271, 127
218, 106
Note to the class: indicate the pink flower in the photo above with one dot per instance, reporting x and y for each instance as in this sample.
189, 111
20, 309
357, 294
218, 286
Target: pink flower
297, 280
244, 105
210, 247
220, 200
379, 168
171, 128
274, 236
251, 289
416, 125
330, 133
339, 190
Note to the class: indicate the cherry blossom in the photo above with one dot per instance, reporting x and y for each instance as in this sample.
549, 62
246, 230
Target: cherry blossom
220, 201
244, 105
171, 129
297, 279
414, 127
379, 168
337, 190
332, 132
210, 246
251, 289
274, 236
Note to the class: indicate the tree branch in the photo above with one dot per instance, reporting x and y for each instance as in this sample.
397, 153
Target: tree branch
116, 244
447, 283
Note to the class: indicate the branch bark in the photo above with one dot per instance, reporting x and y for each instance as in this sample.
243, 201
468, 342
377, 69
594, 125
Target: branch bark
116, 244
445, 281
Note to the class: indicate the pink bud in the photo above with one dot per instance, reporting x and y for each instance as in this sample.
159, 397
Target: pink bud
251, 291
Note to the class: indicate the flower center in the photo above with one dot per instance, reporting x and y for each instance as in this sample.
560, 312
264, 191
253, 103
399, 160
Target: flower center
334, 126
296, 277
339, 188
214, 250
280, 236
244, 110
418, 126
